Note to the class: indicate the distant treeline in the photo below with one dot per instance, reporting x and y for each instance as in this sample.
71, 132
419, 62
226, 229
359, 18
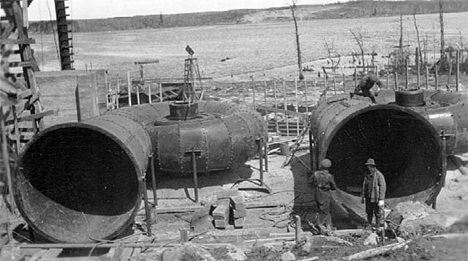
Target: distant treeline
353, 9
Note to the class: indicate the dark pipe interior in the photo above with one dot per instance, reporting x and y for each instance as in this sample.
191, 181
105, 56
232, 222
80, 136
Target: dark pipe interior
405, 150
82, 170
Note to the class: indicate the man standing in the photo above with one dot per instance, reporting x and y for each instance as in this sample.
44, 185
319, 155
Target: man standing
364, 86
373, 192
323, 181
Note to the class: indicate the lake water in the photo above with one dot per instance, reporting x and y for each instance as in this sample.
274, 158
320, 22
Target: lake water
249, 47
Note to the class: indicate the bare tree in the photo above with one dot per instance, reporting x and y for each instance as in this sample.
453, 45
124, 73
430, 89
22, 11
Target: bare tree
357, 34
442, 41
330, 46
419, 41
299, 59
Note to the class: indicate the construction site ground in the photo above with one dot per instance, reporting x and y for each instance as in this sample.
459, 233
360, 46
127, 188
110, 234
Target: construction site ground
269, 229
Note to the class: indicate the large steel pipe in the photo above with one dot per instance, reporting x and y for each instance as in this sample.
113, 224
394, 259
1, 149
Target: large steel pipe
80, 182
404, 141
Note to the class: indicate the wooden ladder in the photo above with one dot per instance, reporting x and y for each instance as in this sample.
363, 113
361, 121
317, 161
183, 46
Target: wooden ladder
192, 80
28, 108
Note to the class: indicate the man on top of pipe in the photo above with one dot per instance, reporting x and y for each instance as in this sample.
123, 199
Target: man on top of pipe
323, 181
364, 86
373, 193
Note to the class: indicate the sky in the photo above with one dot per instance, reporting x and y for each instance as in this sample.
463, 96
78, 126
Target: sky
89, 9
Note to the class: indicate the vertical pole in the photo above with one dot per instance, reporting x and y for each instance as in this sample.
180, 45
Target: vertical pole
355, 76
253, 93
436, 77
161, 99
418, 68
195, 175
265, 154
406, 74
305, 96
16, 128
129, 89
427, 77
388, 80
138, 94
118, 92
243, 93
297, 107
344, 83
153, 179
297, 233
457, 69
147, 208
285, 108
449, 60
6, 158
260, 156
312, 150
334, 85
395, 74
149, 93
276, 112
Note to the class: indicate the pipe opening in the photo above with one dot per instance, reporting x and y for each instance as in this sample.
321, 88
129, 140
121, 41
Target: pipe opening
406, 150
79, 176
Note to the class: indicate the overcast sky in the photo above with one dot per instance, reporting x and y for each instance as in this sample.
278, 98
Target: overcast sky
87, 9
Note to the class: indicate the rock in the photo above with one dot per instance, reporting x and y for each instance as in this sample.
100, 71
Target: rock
399, 239
188, 251
236, 253
372, 239
308, 245
201, 220
419, 218
288, 256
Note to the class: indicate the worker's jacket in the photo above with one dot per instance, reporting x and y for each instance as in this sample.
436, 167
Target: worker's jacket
323, 180
374, 186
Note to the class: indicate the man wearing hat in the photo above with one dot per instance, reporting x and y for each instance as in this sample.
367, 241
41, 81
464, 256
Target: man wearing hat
373, 192
323, 181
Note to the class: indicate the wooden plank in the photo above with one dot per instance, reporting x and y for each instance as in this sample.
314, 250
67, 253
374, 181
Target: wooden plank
51, 254
18, 41
34, 116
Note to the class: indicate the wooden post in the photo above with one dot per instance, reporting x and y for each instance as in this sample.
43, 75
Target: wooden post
334, 85
276, 112
129, 89
265, 154
195, 175
243, 93
418, 69
253, 93
147, 208
153, 179
161, 98
427, 77
297, 234
6, 158
457, 69
436, 77
260, 155
406, 74
395, 74
138, 94
388, 80
297, 107
149, 93
344, 83
285, 108
449, 60
355, 76
305, 96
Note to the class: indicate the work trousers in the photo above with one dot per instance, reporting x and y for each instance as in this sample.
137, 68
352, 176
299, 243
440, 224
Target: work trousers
322, 199
373, 209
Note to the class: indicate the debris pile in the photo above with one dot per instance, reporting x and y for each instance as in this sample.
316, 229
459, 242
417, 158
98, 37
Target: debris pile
228, 209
